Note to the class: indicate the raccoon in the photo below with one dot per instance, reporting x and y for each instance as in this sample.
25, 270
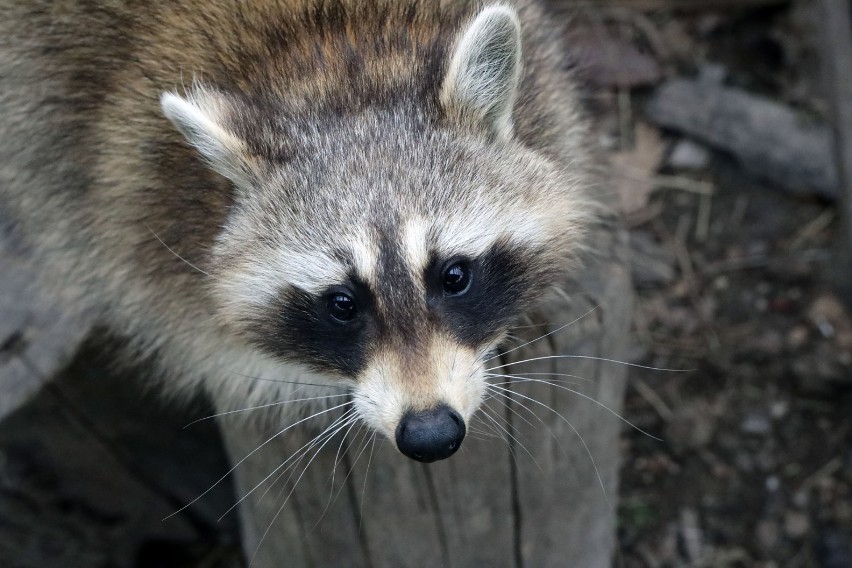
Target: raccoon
282, 193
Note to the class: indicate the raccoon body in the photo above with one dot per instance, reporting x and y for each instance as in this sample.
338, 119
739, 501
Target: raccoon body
324, 192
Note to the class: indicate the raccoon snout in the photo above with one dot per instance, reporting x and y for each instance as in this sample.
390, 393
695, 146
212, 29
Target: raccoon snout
430, 435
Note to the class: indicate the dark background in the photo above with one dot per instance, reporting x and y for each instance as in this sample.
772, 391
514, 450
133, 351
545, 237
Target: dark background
738, 257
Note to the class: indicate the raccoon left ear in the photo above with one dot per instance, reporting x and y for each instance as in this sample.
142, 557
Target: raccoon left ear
199, 119
484, 72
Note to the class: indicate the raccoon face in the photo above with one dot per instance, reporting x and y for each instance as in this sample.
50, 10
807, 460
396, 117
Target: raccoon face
389, 247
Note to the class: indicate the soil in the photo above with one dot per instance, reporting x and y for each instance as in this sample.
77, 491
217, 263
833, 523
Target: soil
754, 465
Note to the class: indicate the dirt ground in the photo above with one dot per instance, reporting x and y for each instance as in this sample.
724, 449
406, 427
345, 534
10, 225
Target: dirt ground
755, 463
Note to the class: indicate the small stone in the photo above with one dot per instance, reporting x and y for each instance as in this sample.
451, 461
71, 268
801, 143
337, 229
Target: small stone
797, 337
779, 409
773, 484
691, 534
689, 155
766, 533
801, 499
796, 524
769, 342
712, 74
692, 426
829, 316
756, 423
826, 307
825, 328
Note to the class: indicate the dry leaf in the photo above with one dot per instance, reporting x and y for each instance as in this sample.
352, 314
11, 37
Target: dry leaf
633, 171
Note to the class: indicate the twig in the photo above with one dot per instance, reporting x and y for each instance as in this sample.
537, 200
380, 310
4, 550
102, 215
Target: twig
762, 261
652, 398
809, 231
730, 557
702, 225
825, 471
684, 184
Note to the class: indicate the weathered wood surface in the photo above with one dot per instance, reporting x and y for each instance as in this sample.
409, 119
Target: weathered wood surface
38, 334
91, 465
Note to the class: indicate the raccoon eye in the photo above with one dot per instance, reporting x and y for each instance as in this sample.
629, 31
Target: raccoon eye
456, 279
341, 307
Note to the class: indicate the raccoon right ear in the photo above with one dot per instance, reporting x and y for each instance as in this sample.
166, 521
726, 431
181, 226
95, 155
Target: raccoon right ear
198, 119
483, 75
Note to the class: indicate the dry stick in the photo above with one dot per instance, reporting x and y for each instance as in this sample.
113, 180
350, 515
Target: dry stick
837, 59
652, 398
812, 229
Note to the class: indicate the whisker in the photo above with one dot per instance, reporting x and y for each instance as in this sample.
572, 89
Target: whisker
578, 377
530, 326
491, 432
589, 357
509, 408
323, 437
337, 455
582, 441
300, 383
341, 422
474, 430
320, 441
156, 236
537, 417
539, 338
247, 456
364, 488
332, 496
281, 508
513, 380
281, 402
497, 433
478, 437
587, 397
511, 436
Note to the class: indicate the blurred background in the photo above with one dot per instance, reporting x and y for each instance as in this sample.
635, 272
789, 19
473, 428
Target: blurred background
727, 129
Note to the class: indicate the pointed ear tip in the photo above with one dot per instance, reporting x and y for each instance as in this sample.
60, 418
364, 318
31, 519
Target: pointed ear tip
170, 102
504, 9
501, 11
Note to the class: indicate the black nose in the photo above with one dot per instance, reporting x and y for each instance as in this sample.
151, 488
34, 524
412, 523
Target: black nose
430, 435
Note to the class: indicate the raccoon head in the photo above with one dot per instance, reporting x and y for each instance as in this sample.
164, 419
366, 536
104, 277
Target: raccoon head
390, 245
